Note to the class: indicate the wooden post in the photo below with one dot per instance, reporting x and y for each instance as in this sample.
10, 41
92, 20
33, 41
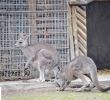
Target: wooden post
74, 28
72, 52
32, 18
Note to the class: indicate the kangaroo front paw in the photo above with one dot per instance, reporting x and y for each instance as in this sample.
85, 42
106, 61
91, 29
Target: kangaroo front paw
40, 80
87, 89
60, 89
43, 80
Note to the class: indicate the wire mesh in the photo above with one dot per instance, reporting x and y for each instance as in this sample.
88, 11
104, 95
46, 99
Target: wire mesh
44, 20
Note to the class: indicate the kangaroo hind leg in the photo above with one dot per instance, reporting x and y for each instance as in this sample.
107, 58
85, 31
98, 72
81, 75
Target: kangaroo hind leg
85, 82
41, 73
91, 85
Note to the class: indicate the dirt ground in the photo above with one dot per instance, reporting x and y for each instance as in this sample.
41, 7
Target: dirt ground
50, 93
33, 88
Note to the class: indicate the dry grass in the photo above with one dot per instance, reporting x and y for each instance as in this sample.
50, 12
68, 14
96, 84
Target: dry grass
66, 95
104, 72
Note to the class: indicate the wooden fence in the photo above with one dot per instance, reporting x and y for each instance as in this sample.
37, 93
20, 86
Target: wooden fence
79, 30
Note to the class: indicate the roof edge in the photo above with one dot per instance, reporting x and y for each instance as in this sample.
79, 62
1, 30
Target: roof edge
83, 2
80, 2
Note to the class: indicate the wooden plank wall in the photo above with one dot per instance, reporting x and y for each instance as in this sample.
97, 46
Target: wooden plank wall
79, 30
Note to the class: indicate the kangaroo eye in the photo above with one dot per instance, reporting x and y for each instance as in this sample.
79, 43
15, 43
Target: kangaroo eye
20, 42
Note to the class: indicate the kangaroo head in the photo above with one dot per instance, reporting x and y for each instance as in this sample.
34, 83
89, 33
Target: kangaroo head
60, 80
22, 41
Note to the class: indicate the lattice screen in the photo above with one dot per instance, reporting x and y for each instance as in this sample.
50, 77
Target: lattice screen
44, 20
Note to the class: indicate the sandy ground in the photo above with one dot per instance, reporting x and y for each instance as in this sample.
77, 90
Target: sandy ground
26, 87
31, 86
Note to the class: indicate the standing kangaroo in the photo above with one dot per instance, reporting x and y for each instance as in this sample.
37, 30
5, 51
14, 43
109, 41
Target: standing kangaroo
79, 67
42, 56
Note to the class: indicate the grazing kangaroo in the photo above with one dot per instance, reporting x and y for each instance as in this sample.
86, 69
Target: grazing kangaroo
79, 67
42, 56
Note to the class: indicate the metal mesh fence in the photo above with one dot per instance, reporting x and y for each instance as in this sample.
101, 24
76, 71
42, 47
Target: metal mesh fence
44, 20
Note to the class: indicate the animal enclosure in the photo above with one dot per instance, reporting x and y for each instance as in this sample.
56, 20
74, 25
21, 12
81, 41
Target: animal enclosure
44, 20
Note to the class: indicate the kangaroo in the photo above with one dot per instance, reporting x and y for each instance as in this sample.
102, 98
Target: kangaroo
42, 56
79, 67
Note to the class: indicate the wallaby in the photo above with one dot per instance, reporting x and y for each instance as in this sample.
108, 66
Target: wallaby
79, 67
42, 56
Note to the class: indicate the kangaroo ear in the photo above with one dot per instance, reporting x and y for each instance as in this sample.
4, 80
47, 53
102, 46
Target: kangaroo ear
24, 35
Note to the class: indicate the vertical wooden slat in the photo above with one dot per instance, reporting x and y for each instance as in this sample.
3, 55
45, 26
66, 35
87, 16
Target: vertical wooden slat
74, 27
70, 32
32, 18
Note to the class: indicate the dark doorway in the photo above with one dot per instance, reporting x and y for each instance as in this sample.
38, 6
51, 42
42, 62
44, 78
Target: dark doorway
98, 33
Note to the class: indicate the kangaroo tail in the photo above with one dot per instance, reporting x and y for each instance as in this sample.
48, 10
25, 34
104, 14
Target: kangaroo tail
94, 77
96, 82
